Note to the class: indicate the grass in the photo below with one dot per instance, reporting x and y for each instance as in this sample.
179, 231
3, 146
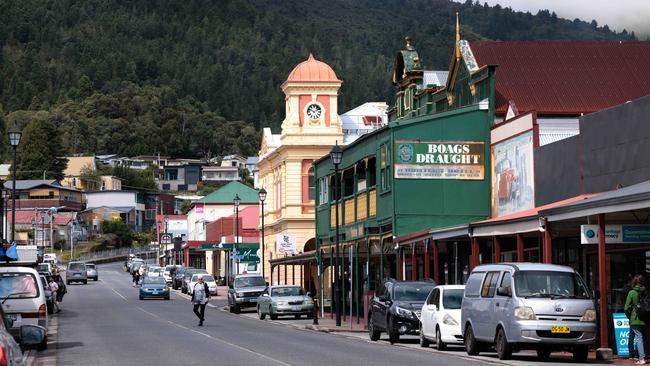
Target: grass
80, 248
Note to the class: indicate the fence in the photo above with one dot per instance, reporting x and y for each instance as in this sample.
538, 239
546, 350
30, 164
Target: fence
121, 252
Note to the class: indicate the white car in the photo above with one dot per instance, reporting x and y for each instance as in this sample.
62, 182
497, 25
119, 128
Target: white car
209, 279
24, 299
155, 271
167, 273
440, 319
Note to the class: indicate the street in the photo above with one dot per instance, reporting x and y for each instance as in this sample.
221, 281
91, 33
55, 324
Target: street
104, 323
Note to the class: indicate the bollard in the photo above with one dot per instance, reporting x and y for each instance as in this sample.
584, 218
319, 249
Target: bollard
314, 313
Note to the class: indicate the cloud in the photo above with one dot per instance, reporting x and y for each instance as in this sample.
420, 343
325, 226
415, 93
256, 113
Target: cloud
632, 15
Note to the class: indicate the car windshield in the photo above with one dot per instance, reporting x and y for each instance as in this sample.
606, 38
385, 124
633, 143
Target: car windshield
551, 284
287, 291
42, 268
205, 278
77, 266
412, 292
18, 285
249, 281
90, 266
154, 281
155, 269
452, 298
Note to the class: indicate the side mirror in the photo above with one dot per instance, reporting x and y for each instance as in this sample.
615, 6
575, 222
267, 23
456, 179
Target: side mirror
504, 291
31, 335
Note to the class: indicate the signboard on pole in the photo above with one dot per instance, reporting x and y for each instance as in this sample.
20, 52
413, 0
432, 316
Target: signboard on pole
439, 160
622, 333
616, 234
165, 239
285, 244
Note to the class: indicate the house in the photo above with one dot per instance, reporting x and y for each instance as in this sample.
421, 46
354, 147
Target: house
363, 119
38, 227
44, 194
73, 175
180, 175
219, 174
234, 160
128, 206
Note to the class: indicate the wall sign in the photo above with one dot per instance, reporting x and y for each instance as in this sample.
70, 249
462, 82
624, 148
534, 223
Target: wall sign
622, 333
285, 244
513, 181
439, 160
616, 234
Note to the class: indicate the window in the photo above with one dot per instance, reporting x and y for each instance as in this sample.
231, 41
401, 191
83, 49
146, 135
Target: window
165, 186
323, 193
171, 174
311, 183
473, 284
385, 167
489, 284
506, 281
361, 177
182, 187
308, 182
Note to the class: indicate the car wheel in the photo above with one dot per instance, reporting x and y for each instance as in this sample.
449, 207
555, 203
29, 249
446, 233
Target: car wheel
310, 315
166, 297
260, 315
393, 335
424, 342
372, 331
580, 353
440, 345
67, 283
96, 279
503, 347
543, 354
236, 309
272, 315
85, 282
471, 345
141, 298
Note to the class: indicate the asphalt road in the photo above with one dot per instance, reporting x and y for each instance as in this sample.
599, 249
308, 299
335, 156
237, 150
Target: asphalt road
104, 323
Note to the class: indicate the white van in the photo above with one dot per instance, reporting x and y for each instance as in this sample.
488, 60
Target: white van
23, 297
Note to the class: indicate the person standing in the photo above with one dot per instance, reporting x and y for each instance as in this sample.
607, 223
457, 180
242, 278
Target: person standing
54, 288
636, 325
200, 296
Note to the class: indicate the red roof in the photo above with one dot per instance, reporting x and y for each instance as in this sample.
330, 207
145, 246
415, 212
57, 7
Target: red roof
566, 77
312, 70
26, 217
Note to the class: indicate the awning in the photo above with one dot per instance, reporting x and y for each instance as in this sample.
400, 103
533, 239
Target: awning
434, 234
301, 258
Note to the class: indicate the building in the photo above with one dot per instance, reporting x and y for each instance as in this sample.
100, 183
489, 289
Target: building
180, 175
234, 160
363, 119
44, 194
128, 206
219, 174
73, 175
310, 128
251, 166
44, 228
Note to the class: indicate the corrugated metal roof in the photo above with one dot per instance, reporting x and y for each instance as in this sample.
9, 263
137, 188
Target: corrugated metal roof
566, 77
437, 78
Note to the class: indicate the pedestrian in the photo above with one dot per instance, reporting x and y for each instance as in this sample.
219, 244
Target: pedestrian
62, 287
136, 278
636, 325
54, 288
200, 296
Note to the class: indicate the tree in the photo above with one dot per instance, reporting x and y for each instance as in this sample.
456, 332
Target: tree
123, 235
41, 150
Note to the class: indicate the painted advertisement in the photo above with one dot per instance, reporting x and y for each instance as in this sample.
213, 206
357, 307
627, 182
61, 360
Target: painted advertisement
439, 160
285, 244
513, 181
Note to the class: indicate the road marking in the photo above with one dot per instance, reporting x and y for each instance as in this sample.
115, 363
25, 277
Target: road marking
219, 339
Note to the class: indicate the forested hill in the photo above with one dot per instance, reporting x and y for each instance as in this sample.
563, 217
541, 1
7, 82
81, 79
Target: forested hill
226, 58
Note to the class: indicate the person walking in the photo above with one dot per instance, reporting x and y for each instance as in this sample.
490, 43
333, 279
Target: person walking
636, 325
54, 288
200, 296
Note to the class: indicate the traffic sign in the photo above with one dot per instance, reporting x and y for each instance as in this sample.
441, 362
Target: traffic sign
165, 239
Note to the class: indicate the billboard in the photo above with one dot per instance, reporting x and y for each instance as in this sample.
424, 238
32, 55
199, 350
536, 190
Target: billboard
439, 160
513, 181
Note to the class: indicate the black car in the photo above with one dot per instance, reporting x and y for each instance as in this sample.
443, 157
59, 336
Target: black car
396, 308
177, 280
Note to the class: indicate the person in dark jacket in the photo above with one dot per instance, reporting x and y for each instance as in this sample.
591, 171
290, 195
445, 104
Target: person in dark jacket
200, 297
636, 325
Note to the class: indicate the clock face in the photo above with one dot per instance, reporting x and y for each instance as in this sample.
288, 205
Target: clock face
314, 112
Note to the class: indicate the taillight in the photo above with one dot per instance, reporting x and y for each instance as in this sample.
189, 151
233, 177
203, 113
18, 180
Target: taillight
3, 356
42, 311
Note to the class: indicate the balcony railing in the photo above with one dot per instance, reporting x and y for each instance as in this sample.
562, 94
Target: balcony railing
373, 203
364, 209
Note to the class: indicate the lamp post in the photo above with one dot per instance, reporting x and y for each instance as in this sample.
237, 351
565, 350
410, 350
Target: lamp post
166, 233
236, 201
337, 155
14, 139
34, 231
262, 195
2, 210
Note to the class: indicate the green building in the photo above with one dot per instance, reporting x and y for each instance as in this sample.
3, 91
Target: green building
428, 168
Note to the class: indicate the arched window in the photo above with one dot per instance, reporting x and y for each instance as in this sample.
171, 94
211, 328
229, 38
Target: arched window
308, 181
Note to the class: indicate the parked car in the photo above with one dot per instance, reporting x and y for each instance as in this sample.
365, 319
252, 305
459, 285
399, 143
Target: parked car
395, 308
440, 319
187, 276
135, 264
49, 301
244, 291
167, 273
76, 272
177, 281
284, 300
45, 268
209, 279
24, 299
537, 306
154, 287
91, 271
31, 336
154, 271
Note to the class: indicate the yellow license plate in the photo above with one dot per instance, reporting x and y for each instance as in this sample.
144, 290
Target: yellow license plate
560, 329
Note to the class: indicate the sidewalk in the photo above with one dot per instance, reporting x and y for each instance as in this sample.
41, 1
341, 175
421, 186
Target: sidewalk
328, 324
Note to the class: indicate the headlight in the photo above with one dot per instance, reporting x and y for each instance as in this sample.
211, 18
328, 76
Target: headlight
240, 294
447, 319
589, 316
524, 313
281, 303
404, 312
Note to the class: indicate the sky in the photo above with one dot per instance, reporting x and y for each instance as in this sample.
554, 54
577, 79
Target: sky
633, 15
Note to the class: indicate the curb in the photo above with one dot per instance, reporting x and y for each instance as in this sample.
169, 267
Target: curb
325, 329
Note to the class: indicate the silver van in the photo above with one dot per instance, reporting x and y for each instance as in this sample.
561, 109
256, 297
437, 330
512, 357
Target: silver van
537, 306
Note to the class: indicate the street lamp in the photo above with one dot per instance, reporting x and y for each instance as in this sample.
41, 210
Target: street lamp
14, 139
262, 195
337, 155
34, 229
236, 201
166, 233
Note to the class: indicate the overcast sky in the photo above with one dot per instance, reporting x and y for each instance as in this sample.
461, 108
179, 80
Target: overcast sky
617, 14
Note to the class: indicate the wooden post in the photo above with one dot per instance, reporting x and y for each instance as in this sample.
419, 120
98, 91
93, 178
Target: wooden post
602, 281
427, 259
400, 264
414, 263
548, 243
520, 248
436, 263
475, 253
497, 249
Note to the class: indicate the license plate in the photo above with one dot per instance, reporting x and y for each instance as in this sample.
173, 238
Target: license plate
560, 329
295, 308
77, 274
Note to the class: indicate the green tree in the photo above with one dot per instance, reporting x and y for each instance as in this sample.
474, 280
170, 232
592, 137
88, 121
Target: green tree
90, 178
123, 235
40, 149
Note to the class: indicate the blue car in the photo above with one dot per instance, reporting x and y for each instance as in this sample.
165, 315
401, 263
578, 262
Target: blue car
154, 287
